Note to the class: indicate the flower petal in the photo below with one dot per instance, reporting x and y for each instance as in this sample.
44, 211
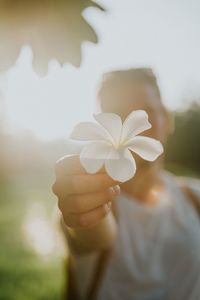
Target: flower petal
91, 165
96, 150
113, 154
146, 147
92, 156
112, 123
87, 131
135, 123
122, 169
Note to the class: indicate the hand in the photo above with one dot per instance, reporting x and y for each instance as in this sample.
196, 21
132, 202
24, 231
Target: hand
83, 199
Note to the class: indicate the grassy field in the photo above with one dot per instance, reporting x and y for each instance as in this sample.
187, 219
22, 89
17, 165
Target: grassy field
29, 270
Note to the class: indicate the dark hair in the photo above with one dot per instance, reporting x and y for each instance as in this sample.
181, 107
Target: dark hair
133, 75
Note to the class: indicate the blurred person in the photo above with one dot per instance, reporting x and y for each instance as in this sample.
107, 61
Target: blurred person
134, 240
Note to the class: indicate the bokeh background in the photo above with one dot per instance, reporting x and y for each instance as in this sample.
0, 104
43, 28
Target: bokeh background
37, 114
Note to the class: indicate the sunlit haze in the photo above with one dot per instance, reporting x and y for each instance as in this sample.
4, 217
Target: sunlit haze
162, 34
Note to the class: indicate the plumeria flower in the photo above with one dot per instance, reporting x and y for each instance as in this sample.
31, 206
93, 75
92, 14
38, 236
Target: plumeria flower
112, 144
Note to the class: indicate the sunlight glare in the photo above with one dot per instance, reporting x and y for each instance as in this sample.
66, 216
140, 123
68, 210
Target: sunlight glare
40, 232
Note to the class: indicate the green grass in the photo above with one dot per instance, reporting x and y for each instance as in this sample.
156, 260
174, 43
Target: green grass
25, 274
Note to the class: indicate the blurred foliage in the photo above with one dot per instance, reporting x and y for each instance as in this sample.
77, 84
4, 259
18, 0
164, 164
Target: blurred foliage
26, 176
24, 274
55, 29
183, 148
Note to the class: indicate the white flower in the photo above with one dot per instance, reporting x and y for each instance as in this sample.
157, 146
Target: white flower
112, 142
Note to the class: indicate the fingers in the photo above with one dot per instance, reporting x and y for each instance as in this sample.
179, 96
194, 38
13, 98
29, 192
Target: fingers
84, 199
82, 184
69, 164
87, 202
87, 219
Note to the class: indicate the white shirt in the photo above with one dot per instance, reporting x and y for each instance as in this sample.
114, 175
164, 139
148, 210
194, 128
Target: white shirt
156, 255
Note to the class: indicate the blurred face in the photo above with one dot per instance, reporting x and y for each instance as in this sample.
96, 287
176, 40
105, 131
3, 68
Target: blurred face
123, 100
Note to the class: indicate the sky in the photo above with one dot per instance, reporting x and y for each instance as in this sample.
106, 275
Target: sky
162, 34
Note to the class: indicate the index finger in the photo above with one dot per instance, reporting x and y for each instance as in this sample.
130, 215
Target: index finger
69, 164
83, 184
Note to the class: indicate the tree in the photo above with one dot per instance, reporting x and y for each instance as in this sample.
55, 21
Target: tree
183, 147
55, 29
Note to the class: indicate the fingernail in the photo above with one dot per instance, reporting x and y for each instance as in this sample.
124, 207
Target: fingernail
116, 189
108, 206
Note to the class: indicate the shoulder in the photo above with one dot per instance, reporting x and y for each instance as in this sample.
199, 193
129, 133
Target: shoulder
183, 239
192, 183
184, 193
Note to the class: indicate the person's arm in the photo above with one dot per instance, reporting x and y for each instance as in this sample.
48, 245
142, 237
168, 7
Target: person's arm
85, 202
95, 238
